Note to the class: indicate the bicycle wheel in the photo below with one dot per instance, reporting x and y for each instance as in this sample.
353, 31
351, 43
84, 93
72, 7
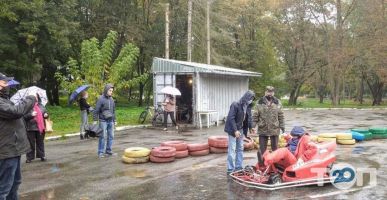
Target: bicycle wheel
142, 117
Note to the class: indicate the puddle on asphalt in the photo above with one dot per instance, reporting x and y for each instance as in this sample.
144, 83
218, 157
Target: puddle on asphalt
358, 150
134, 173
57, 167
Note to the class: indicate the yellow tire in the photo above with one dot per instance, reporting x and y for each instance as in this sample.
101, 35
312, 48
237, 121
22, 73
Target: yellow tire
135, 160
324, 139
344, 136
136, 152
327, 135
347, 142
282, 144
313, 138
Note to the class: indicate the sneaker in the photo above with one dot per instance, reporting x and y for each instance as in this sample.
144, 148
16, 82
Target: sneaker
101, 156
165, 129
111, 154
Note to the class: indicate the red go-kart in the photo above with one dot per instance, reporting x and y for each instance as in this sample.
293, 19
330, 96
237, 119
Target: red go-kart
274, 176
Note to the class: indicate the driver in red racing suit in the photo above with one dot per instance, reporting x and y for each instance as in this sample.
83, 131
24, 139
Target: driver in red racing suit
299, 149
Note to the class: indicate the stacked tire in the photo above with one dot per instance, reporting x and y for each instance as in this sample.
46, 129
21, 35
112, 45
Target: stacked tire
218, 144
367, 134
326, 137
198, 149
345, 139
378, 132
281, 141
248, 145
180, 146
357, 136
136, 155
163, 154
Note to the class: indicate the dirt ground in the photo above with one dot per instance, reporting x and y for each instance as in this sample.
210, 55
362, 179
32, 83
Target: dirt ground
73, 170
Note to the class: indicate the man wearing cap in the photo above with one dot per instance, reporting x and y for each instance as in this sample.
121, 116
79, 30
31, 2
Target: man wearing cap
13, 139
269, 117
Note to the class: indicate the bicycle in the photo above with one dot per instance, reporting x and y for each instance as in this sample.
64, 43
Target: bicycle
156, 116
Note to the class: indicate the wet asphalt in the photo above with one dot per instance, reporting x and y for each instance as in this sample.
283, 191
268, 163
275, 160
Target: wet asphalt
73, 170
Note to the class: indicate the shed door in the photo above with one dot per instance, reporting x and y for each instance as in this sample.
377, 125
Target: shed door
159, 82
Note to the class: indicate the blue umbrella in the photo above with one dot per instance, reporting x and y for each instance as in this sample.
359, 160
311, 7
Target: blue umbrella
13, 83
75, 94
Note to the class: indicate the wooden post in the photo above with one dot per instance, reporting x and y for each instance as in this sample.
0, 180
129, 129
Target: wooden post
208, 34
167, 30
189, 32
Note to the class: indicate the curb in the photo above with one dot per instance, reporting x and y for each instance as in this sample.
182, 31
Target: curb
334, 109
121, 128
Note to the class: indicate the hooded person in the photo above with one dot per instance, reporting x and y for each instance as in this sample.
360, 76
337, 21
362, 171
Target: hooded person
298, 150
238, 118
104, 113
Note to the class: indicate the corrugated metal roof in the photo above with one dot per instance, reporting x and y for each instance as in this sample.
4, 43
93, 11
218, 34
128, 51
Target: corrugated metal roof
176, 66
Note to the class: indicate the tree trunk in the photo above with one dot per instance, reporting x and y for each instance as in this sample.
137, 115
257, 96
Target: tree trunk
361, 91
376, 88
294, 92
141, 91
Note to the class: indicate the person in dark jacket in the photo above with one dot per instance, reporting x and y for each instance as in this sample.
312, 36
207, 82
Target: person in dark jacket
239, 117
13, 139
36, 131
105, 113
85, 110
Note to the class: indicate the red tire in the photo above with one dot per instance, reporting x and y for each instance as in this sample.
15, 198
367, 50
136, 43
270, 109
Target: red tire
198, 147
248, 144
179, 145
218, 150
163, 152
200, 153
182, 154
161, 160
218, 141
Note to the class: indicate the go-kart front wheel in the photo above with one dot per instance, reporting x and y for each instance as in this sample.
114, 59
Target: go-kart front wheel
275, 179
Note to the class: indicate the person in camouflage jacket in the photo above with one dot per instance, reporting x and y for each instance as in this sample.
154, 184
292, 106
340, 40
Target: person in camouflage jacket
269, 117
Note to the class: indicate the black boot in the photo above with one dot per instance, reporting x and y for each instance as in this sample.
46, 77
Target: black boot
81, 136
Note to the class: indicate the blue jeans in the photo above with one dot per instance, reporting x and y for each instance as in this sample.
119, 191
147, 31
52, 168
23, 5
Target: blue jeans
108, 135
235, 153
10, 178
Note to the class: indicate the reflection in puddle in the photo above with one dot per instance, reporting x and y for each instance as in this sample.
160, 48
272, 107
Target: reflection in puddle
358, 150
134, 173
48, 194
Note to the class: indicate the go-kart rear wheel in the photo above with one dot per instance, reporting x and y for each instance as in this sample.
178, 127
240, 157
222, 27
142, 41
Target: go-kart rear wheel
275, 179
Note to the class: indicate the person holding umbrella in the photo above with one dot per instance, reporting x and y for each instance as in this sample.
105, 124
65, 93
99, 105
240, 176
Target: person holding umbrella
36, 131
13, 139
169, 104
169, 109
85, 110
84, 107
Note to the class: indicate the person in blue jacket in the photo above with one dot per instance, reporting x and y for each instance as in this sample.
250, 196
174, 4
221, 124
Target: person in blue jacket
239, 118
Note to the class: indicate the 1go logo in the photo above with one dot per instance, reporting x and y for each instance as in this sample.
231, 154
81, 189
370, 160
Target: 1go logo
344, 176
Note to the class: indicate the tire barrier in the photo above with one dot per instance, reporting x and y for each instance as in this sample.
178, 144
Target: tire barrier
179, 145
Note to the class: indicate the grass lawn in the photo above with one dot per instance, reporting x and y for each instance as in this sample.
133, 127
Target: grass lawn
314, 103
67, 118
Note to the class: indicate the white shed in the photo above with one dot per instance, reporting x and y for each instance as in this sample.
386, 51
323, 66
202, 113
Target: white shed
205, 88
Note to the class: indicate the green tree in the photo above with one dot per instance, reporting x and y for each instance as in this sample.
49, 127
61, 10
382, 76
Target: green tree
98, 66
